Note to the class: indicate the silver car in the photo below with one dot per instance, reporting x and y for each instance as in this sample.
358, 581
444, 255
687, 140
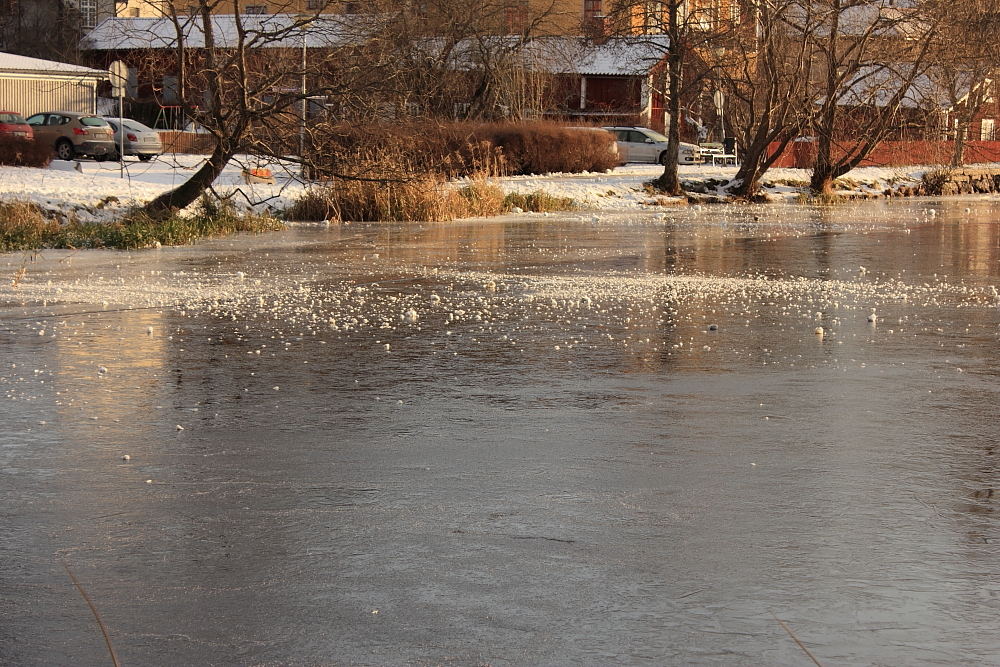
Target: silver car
641, 144
140, 141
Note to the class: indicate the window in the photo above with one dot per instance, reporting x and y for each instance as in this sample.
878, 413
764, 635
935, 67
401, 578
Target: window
592, 9
516, 15
986, 130
88, 13
255, 9
314, 4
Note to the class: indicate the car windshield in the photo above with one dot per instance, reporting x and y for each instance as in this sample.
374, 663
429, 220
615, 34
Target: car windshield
655, 136
92, 121
11, 118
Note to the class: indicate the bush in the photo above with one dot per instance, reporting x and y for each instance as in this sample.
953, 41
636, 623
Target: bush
427, 199
21, 152
456, 150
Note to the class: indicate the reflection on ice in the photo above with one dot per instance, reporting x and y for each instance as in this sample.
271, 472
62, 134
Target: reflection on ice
522, 441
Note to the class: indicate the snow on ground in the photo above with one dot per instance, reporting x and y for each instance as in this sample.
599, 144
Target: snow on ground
99, 188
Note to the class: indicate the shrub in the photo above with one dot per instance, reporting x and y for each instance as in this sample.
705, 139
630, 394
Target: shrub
456, 150
22, 152
935, 179
422, 199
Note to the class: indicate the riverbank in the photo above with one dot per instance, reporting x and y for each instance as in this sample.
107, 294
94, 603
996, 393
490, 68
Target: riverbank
100, 191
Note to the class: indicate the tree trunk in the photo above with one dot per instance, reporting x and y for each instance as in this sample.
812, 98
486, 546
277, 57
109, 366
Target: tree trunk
961, 137
822, 176
669, 181
189, 191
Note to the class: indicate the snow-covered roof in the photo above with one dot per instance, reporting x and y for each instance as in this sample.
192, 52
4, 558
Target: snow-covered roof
10, 63
877, 85
557, 55
622, 57
266, 31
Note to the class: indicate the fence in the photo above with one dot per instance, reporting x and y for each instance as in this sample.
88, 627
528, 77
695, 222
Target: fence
801, 154
186, 142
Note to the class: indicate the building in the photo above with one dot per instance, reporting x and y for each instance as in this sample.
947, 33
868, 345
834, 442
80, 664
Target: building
30, 85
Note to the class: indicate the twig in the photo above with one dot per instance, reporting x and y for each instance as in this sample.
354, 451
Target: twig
107, 639
801, 645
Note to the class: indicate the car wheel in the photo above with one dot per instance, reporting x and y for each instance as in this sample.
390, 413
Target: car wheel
663, 158
64, 150
101, 158
145, 158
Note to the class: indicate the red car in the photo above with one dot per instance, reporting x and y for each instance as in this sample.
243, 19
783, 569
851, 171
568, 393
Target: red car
12, 124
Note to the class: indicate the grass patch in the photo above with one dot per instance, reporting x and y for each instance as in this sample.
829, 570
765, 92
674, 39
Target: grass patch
824, 198
427, 199
25, 226
421, 199
788, 182
538, 201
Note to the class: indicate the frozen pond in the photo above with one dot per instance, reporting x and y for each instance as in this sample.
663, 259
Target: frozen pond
612, 439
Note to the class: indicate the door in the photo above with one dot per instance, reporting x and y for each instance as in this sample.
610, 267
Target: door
45, 132
640, 147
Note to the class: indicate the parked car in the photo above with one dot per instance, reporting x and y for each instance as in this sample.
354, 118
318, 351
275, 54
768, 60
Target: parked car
13, 125
72, 134
641, 144
140, 140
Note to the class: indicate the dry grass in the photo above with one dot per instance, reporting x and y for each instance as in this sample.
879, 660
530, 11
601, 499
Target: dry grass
25, 226
427, 199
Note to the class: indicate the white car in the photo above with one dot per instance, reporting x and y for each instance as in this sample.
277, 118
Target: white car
641, 144
140, 141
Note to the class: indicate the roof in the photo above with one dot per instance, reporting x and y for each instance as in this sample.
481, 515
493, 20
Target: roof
621, 57
10, 63
876, 86
268, 31
566, 55
557, 55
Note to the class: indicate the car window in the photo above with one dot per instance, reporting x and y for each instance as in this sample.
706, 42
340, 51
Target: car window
114, 125
622, 134
637, 137
136, 126
11, 118
37, 119
56, 120
656, 136
93, 121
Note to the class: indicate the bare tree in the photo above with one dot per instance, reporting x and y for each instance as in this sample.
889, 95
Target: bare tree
765, 76
867, 54
966, 63
692, 28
